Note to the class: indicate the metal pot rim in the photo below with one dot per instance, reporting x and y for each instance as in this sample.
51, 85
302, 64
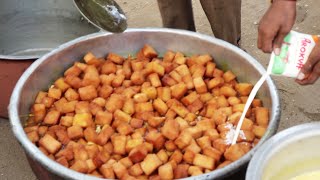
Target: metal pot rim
70, 174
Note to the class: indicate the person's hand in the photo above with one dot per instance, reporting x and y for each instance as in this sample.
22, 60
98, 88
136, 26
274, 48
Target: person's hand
310, 72
275, 25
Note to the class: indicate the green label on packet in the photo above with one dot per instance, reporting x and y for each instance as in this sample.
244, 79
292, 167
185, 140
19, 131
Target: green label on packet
279, 65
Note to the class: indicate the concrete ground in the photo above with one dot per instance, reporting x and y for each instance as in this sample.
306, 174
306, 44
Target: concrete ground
299, 104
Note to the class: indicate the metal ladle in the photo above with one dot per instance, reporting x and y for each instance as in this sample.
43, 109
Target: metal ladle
104, 14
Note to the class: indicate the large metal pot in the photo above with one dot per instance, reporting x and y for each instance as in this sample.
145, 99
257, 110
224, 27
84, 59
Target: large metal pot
29, 29
41, 73
288, 154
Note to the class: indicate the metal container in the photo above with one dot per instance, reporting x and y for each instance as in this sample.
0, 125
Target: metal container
44, 71
29, 29
290, 153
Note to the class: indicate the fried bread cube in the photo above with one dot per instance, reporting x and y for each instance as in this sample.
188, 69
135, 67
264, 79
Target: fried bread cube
108, 67
155, 67
33, 136
115, 58
61, 84
105, 91
183, 124
138, 153
155, 138
244, 89
39, 112
234, 152
259, 131
136, 123
88, 92
80, 166
178, 90
176, 156
124, 129
90, 134
69, 107
262, 116
181, 171
82, 120
50, 144
119, 169
126, 162
212, 152
256, 103
118, 80
91, 76
104, 135
163, 156
234, 100
122, 116
54, 93
155, 121
199, 85
103, 117
168, 80
220, 145
82, 107
137, 78
155, 80
183, 140
166, 171
114, 102
119, 144
150, 163
160, 106
227, 91
73, 70
75, 132
107, 79
217, 73
149, 52
224, 163
71, 94
170, 129
140, 98
180, 109
210, 67
204, 142
197, 71
212, 134
228, 76
143, 107
135, 170
151, 92
107, 171
52, 117
194, 171
190, 98
132, 143
204, 161
170, 145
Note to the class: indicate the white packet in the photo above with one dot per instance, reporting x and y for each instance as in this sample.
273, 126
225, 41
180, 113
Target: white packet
294, 53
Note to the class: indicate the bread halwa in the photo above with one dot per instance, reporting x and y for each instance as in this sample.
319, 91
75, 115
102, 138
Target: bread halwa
145, 117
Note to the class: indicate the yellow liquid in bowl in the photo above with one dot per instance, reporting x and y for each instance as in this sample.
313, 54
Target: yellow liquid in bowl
314, 175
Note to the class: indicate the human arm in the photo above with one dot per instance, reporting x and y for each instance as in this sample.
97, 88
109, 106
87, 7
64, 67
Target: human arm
275, 25
310, 72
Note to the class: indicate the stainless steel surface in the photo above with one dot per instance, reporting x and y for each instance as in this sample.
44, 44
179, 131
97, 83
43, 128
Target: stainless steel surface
104, 14
31, 28
45, 70
284, 141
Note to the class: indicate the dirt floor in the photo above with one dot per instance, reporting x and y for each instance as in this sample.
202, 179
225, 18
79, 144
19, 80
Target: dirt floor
299, 104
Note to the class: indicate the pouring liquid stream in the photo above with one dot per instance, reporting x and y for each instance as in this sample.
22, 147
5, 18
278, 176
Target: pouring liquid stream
249, 101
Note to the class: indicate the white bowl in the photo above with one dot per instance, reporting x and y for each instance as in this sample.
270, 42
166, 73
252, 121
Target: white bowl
288, 154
